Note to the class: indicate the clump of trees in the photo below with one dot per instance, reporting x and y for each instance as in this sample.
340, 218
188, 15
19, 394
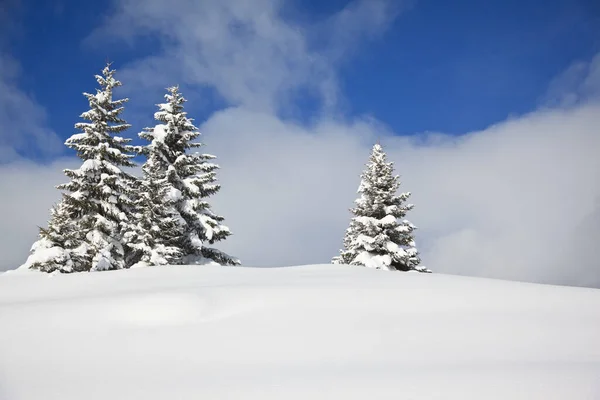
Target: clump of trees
108, 219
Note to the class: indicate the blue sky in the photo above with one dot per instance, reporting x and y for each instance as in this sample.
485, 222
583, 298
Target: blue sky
490, 111
448, 67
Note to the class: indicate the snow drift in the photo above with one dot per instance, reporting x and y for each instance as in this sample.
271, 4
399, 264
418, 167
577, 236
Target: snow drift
318, 332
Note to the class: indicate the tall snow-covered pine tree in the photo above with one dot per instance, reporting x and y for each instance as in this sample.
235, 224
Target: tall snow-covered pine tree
379, 236
86, 228
182, 180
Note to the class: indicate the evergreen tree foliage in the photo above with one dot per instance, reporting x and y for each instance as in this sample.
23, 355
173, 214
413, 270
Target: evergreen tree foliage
379, 236
57, 249
98, 199
182, 182
154, 237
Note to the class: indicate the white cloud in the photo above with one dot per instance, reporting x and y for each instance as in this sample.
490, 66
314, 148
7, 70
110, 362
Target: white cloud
286, 189
507, 202
518, 200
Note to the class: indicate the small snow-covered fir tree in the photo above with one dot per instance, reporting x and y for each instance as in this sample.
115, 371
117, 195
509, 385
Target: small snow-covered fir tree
59, 246
97, 200
183, 180
379, 236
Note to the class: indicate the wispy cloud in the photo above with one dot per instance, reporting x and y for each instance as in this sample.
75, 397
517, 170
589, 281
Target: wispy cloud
578, 83
23, 126
342, 33
244, 49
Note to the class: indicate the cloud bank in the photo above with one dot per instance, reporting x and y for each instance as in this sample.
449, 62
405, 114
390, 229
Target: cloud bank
518, 200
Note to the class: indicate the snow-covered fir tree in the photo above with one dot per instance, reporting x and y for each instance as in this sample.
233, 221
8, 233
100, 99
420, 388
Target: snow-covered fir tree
85, 231
182, 182
379, 236
60, 246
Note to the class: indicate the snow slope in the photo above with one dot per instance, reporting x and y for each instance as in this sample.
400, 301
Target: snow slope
310, 332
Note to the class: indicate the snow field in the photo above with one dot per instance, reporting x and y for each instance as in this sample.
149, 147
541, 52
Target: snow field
322, 331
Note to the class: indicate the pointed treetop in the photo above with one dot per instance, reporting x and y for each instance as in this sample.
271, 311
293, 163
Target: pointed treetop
190, 179
107, 80
85, 232
175, 99
378, 158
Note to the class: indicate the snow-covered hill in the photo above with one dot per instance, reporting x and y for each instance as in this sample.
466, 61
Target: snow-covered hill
310, 332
